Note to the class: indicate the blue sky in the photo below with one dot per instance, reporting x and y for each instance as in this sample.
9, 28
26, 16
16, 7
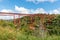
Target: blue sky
30, 6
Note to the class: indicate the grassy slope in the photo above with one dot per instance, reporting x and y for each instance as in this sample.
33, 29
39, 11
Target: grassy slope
8, 33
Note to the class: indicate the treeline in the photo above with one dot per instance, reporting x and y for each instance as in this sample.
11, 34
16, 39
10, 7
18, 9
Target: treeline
32, 26
52, 25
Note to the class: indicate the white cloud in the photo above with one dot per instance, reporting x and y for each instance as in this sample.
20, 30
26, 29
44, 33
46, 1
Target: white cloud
55, 11
21, 9
6, 17
6, 10
32, 11
28, 11
40, 10
38, 1
36, 11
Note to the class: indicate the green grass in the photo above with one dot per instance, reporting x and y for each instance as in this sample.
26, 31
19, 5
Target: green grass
9, 33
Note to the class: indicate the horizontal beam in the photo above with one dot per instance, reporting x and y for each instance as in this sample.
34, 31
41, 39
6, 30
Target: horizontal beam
20, 14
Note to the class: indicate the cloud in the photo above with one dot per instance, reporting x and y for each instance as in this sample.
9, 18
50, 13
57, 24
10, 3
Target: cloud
40, 10
55, 11
24, 10
29, 11
38, 1
6, 17
36, 11
6, 10
21, 9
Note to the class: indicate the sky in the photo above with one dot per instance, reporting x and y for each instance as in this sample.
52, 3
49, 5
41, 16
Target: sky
30, 6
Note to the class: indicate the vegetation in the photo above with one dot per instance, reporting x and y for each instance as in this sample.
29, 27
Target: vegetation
29, 29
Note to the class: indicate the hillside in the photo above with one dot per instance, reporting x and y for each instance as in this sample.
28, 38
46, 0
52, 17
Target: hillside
34, 23
29, 28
